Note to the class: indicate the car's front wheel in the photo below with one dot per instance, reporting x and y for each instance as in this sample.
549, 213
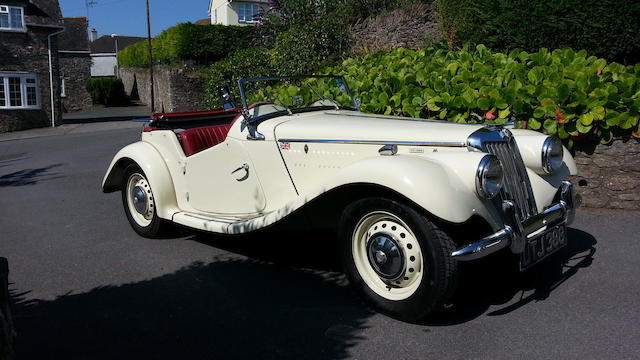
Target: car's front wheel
139, 204
396, 258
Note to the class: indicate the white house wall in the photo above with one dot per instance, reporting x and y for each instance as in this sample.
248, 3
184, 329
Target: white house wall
103, 64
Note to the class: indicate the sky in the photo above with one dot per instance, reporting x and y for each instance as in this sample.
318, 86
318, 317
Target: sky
128, 17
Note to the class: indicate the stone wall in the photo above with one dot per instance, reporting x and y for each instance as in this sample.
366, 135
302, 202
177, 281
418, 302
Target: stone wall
28, 53
413, 27
75, 69
176, 89
609, 175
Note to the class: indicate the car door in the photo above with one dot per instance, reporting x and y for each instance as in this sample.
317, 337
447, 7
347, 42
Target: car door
221, 180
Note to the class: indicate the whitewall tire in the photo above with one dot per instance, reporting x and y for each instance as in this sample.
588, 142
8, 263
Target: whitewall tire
397, 258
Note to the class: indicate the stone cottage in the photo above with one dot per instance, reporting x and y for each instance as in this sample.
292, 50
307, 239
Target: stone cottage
29, 67
75, 64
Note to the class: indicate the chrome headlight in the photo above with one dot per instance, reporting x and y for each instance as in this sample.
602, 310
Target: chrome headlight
489, 177
552, 154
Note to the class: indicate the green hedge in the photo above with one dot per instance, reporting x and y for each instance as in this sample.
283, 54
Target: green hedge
195, 44
107, 91
562, 92
605, 28
250, 62
305, 47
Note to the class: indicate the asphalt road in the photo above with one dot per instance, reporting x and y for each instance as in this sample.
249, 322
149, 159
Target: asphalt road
85, 286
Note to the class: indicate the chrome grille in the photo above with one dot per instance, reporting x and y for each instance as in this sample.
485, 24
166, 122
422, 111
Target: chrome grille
516, 181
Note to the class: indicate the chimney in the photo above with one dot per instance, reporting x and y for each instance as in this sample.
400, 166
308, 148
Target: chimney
94, 34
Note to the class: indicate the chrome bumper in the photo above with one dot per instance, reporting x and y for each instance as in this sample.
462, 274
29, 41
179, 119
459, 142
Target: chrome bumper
516, 231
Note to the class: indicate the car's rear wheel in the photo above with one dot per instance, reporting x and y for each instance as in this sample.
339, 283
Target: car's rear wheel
139, 204
396, 258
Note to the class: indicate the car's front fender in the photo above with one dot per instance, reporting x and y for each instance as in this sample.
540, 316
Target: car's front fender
443, 184
155, 169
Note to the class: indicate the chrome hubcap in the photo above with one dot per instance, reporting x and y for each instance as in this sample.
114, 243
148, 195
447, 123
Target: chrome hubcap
140, 200
385, 256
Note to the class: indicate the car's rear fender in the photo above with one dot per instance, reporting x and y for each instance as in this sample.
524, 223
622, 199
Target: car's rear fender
155, 169
443, 184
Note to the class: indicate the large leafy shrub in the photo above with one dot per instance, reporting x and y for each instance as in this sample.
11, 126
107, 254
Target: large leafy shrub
106, 91
305, 47
561, 92
250, 62
194, 44
605, 28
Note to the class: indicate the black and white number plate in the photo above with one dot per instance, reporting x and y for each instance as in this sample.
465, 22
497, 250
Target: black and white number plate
543, 245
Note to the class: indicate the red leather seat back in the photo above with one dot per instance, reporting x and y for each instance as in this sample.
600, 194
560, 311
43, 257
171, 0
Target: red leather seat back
195, 140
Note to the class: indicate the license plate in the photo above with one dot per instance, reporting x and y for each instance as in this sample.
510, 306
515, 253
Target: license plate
543, 245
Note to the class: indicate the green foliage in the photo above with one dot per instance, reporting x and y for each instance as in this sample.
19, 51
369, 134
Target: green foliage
195, 44
562, 92
106, 91
605, 28
305, 47
250, 62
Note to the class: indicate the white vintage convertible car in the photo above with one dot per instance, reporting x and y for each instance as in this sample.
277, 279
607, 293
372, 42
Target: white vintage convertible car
409, 198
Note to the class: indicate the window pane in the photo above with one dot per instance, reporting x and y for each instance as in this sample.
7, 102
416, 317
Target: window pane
15, 95
16, 18
4, 20
32, 98
3, 102
256, 10
242, 11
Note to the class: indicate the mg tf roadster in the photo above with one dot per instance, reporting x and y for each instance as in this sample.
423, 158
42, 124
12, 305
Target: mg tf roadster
409, 198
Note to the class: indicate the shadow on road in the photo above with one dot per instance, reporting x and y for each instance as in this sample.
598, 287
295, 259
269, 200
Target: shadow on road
231, 309
288, 302
496, 280
29, 176
105, 119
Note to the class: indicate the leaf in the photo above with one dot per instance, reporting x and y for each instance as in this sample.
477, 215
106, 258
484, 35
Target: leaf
534, 124
383, 98
583, 129
606, 136
550, 126
628, 121
586, 119
563, 92
533, 76
538, 112
504, 113
484, 103
597, 113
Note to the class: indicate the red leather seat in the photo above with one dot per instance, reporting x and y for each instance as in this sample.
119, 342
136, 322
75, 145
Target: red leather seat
195, 140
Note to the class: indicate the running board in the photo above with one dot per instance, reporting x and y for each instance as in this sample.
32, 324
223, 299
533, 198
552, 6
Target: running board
225, 225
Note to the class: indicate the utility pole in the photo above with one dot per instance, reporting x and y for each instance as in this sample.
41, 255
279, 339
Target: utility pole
153, 100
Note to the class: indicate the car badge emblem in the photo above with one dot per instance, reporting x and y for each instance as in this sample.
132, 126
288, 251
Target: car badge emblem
285, 146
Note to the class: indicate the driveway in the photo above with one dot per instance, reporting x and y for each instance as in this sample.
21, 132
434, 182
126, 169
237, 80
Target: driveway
85, 286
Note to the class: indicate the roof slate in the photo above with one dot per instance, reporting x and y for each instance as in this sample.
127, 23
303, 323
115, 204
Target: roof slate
107, 44
41, 12
75, 37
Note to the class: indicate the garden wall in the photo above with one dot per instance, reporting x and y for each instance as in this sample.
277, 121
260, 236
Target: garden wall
176, 89
412, 27
609, 175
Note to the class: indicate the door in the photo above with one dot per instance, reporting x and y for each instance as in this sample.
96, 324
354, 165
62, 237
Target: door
221, 180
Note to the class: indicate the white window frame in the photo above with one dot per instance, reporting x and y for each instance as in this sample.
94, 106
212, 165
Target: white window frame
253, 7
5, 9
23, 90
